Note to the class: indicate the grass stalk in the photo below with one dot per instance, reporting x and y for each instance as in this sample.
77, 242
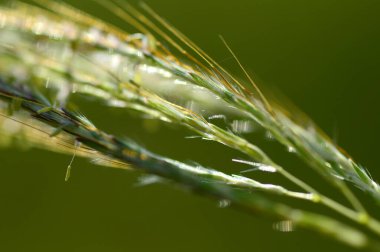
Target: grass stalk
198, 179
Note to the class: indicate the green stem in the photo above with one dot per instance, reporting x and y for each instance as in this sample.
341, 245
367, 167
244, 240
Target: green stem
241, 145
201, 180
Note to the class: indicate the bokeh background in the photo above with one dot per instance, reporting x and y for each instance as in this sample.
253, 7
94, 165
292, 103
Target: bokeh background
323, 55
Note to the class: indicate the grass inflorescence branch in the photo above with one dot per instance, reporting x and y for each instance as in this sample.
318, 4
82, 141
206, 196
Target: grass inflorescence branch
240, 191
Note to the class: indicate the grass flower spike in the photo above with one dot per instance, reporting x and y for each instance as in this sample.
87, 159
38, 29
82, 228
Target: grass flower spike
50, 52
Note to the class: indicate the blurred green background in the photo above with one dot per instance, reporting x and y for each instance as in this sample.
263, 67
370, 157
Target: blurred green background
323, 55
